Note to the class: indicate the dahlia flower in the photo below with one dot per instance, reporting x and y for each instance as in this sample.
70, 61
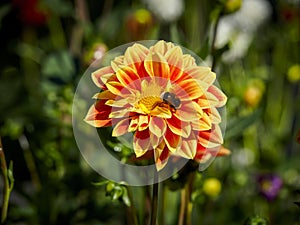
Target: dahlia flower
164, 98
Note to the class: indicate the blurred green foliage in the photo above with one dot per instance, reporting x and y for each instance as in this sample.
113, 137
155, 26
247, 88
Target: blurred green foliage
43, 55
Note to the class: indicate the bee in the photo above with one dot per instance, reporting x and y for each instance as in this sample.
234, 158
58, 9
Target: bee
171, 100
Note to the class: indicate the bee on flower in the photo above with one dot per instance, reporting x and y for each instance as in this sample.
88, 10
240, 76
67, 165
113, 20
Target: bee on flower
164, 98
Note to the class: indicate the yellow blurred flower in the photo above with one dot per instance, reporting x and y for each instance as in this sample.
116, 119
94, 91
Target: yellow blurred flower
212, 187
232, 6
294, 73
254, 93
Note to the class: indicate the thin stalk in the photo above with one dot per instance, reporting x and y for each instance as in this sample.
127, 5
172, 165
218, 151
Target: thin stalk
186, 206
154, 203
8, 184
182, 207
29, 159
131, 211
212, 48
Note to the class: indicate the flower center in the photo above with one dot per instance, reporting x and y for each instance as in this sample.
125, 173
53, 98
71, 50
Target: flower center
148, 103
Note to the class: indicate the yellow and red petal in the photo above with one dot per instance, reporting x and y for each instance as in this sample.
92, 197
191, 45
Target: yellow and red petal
128, 77
121, 127
201, 73
211, 138
117, 62
218, 94
175, 61
188, 61
157, 126
188, 148
161, 112
141, 142
119, 112
189, 111
173, 141
143, 122
161, 156
189, 89
98, 115
162, 47
100, 76
135, 55
179, 127
133, 124
202, 152
203, 124
104, 95
215, 116
156, 65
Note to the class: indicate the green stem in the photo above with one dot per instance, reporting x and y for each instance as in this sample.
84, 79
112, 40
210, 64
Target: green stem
212, 49
29, 159
186, 206
131, 211
182, 207
7, 185
154, 203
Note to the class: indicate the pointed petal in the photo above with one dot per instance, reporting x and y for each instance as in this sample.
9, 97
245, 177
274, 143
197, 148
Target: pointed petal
156, 65
162, 47
179, 127
104, 95
143, 122
189, 111
161, 156
201, 73
215, 116
120, 113
219, 95
188, 61
189, 89
98, 115
128, 77
141, 142
117, 103
114, 87
175, 61
211, 138
188, 148
117, 62
100, 76
121, 128
157, 126
203, 124
134, 55
133, 124
173, 141
162, 112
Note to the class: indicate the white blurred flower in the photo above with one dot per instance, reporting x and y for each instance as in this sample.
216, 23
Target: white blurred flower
166, 10
240, 27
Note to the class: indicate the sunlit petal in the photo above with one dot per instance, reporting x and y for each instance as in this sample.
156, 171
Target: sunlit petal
100, 76
156, 65
157, 126
121, 128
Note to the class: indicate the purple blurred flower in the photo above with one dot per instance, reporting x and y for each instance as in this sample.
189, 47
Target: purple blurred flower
269, 185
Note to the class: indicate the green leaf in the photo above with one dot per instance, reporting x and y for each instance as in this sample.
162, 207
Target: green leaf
59, 64
235, 127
